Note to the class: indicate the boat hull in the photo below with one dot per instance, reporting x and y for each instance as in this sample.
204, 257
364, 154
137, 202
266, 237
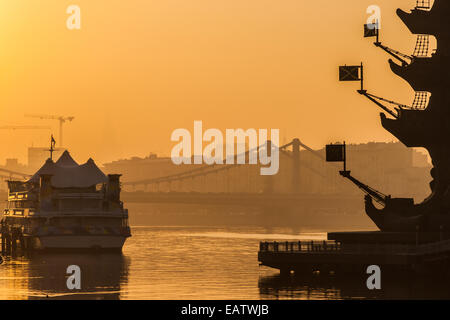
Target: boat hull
81, 242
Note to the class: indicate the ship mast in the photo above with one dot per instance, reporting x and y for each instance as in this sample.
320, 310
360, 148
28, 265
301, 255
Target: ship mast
421, 51
338, 153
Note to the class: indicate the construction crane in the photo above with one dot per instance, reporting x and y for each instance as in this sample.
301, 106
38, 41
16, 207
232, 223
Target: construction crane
61, 119
24, 127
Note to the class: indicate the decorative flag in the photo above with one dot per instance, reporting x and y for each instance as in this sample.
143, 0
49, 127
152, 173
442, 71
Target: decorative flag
349, 73
335, 152
370, 30
52, 147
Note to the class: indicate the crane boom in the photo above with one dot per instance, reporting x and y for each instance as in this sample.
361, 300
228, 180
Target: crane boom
24, 127
61, 119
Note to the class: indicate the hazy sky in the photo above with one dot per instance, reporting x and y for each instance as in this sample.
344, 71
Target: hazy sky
139, 69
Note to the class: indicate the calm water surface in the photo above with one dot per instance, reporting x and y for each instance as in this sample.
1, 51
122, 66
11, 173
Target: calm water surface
185, 263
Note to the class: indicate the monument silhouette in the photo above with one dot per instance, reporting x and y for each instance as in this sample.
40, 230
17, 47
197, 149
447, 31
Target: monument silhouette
412, 237
427, 127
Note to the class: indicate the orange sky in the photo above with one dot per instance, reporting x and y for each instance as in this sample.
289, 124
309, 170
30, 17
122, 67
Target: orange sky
139, 69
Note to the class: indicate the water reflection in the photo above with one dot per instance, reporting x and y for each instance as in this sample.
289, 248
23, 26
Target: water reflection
216, 263
43, 276
316, 287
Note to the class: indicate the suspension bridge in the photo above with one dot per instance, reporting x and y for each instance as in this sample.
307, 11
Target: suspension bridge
6, 174
242, 184
234, 183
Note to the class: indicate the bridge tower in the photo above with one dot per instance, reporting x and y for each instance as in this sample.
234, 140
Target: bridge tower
296, 166
269, 180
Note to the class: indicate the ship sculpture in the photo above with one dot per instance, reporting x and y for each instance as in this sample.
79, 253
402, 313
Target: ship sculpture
425, 124
65, 206
413, 237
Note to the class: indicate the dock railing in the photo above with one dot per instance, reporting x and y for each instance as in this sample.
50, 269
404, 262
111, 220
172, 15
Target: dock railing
434, 247
336, 247
299, 246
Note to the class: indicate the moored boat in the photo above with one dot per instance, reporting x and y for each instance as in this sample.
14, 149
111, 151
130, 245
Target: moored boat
65, 206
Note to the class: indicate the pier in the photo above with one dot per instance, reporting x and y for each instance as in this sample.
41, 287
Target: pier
410, 252
13, 240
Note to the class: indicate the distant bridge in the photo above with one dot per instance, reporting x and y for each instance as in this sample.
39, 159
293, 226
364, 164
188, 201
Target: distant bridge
9, 174
229, 183
234, 184
241, 199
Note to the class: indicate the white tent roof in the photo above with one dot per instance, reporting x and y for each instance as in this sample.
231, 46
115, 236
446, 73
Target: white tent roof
66, 160
66, 173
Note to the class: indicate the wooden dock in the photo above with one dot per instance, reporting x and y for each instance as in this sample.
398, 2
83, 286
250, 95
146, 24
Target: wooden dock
333, 256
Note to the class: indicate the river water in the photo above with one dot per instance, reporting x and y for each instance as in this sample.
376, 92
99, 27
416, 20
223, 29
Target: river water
186, 262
